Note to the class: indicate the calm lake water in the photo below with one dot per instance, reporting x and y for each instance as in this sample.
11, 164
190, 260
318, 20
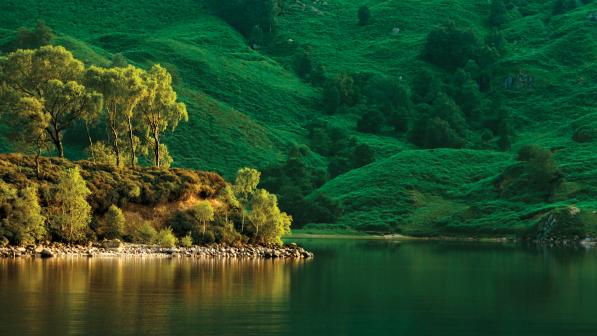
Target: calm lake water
352, 287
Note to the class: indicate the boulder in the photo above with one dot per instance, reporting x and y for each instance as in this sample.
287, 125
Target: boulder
39, 248
112, 244
4, 241
46, 253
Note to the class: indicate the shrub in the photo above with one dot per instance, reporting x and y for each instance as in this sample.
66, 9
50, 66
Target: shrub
23, 222
69, 213
26, 39
364, 15
450, 47
371, 122
165, 238
186, 241
145, 234
535, 172
101, 153
498, 15
113, 225
331, 98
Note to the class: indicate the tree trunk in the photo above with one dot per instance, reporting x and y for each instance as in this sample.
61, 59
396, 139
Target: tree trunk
242, 225
132, 142
90, 141
37, 165
204, 228
59, 147
156, 143
115, 147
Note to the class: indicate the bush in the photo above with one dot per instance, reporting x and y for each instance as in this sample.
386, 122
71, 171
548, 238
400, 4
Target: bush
186, 241
535, 172
21, 218
145, 234
450, 47
113, 225
26, 39
165, 238
364, 15
371, 122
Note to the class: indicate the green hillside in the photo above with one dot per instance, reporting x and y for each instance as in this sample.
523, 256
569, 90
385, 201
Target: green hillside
249, 106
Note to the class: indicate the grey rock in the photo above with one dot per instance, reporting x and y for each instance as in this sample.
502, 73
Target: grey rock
46, 253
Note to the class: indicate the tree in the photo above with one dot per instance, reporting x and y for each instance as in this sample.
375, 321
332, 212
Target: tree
331, 98
245, 185
244, 15
363, 155
122, 89
23, 222
364, 15
498, 15
269, 222
102, 153
28, 128
69, 214
450, 47
48, 75
26, 39
228, 197
371, 122
114, 223
203, 212
118, 61
159, 109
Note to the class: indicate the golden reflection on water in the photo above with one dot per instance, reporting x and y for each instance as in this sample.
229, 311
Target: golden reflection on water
147, 295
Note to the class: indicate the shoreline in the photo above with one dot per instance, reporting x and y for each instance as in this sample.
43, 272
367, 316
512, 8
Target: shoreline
289, 252
587, 242
399, 237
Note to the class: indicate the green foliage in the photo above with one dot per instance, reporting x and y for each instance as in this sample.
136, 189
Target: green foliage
101, 153
563, 6
159, 110
186, 241
145, 234
371, 122
268, 222
32, 39
42, 85
245, 185
535, 171
113, 224
498, 15
450, 47
69, 214
244, 15
203, 212
364, 15
165, 238
21, 219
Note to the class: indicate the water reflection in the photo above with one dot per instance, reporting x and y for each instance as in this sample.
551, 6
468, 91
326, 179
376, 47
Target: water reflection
350, 288
140, 296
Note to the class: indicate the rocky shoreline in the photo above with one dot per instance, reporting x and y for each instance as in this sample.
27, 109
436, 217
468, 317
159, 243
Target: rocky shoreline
118, 249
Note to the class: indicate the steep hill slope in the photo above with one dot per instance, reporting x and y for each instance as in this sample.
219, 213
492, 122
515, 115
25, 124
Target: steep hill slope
247, 107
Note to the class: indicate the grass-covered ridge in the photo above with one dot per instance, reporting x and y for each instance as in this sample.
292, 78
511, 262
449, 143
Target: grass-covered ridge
249, 106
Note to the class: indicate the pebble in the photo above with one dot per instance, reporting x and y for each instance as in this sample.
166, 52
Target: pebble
290, 251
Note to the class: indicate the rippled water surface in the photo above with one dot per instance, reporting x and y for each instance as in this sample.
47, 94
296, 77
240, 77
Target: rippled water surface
352, 287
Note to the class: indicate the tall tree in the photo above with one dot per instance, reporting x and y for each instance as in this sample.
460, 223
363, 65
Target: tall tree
227, 197
159, 109
69, 214
245, 185
122, 89
204, 213
269, 222
23, 222
48, 75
